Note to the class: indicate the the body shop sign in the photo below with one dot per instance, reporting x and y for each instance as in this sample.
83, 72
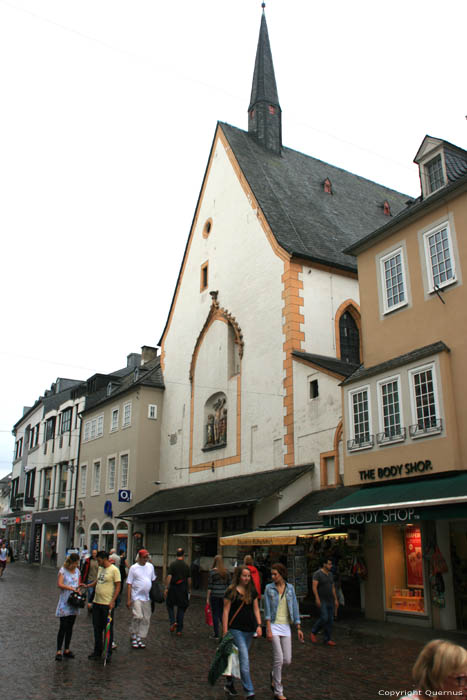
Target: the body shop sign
373, 517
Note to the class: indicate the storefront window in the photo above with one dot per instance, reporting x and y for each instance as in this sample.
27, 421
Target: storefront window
403, 568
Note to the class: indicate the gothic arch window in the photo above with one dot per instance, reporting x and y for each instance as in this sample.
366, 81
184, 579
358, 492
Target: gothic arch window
349, 339
215, 422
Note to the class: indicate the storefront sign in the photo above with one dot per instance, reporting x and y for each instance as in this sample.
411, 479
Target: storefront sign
413, 553
396, 470
391, 516
36, 557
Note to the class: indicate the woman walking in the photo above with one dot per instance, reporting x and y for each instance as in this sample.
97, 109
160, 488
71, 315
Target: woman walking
280, 611
242, 618
219, 579
68, 581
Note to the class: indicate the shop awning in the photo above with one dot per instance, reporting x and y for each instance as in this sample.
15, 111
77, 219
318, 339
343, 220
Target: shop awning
417, 500
270, 537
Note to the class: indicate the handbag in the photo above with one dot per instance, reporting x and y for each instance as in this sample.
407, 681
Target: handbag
155, 594
233, 664
77, 600
208, 615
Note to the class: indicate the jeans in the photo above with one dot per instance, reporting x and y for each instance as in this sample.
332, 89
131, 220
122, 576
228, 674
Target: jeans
99, 622
180, 616
217, 609
325, 620
242, 641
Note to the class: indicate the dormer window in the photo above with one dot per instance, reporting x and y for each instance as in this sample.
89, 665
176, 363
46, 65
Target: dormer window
386, 209
327, 186
109, 388
272, 110
434, 174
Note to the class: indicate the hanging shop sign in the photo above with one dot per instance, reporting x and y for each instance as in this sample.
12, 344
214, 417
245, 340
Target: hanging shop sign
395, 470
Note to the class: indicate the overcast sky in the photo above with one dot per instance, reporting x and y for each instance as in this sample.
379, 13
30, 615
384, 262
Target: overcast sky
108, 110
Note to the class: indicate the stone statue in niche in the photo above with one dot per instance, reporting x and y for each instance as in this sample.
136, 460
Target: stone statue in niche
216, 426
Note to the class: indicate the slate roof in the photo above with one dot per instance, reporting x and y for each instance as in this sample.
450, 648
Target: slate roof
456, 161
333, 364
306, 221
149, 374
235, 490
307, 510
393, 363
264, 87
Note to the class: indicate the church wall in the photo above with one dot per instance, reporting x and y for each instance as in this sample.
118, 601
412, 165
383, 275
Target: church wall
247, 274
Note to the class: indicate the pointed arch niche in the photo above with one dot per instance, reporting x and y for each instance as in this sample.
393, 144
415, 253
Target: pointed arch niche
216, 380
348, 331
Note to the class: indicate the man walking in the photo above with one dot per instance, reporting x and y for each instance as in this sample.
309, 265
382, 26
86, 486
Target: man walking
177, 591
324, 591
107, 587
3, 558
139, 582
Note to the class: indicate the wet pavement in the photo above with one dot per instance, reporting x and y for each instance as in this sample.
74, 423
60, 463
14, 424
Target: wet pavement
369, 659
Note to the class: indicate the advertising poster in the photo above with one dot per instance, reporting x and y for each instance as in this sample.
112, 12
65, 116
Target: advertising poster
413, 553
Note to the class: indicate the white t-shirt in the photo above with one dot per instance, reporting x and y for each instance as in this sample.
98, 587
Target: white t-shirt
3, 554
140, 578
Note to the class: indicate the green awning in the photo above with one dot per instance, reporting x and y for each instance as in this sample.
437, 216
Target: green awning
402, 502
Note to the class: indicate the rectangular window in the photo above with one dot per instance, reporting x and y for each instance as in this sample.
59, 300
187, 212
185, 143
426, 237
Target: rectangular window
124, 471
434, 171
314, 390
50, 428
18, 448
62, 486
93, 428
114, 421
96, 481
66, 420
390, 411
204, 277
439, 257
393, 280
424, 402
152, 411
82, 482
360, 417
111, 474
126, 414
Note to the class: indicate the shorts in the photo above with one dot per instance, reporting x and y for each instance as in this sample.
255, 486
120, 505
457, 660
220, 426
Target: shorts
2, 564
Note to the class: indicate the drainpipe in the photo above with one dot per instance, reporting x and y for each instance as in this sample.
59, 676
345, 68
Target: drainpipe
73, 519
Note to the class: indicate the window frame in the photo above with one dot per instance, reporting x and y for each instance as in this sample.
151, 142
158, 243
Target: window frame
126, 424
83, 482
108, 487
370, 443
96, 486
114, 425
123, 485
401, 436
67, 417
436, 157
386, 308
93, 428
154, 406
429, 267
426, 432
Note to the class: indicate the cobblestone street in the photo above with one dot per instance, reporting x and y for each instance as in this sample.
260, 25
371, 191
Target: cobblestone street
362, 663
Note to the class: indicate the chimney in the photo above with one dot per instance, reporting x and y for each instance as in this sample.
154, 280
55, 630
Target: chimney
133, 359
148, 353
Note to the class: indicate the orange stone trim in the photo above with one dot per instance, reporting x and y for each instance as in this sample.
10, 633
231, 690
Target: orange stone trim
354, 310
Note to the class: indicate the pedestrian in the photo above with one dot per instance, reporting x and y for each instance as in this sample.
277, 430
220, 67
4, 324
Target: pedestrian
440, 669
139, 582
177, 591
3, 558
68, 581
84, 554
280, 611
123, 565
107, 585
255, 575
242, 618
218, 582
114, 558
324, 591
88, 574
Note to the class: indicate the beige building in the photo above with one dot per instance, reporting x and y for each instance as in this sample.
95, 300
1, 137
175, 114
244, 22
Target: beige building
119, 451
405, 408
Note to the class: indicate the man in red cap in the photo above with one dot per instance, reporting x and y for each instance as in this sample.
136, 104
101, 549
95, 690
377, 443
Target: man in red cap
139, 582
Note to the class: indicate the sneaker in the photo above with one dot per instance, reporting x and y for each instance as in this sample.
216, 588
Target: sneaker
134, 644
313, 638
173, 626
330, 643
141, 644
229, 688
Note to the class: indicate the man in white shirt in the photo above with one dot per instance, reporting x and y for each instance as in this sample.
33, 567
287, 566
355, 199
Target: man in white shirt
3, 558
139, 582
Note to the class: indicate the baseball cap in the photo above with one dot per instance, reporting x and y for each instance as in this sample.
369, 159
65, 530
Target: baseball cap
143, 553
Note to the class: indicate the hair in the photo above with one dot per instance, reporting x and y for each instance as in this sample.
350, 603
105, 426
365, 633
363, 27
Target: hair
121, 552
218, 564
250, 589
437, 660
281, 569
102, 554
248, 560
70, 560
325, 559
180, 552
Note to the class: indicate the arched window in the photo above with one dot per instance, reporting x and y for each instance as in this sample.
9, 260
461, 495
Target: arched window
215, 421
349, 337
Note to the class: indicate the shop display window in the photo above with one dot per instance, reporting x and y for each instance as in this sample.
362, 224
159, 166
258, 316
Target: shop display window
403, 568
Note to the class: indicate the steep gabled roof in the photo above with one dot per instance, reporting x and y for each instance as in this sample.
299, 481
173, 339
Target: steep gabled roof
306, 221
329, 364
149, 374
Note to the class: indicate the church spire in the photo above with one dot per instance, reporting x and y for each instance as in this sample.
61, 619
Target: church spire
264, 112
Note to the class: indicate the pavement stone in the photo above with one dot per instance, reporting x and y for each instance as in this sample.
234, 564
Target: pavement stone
369, 657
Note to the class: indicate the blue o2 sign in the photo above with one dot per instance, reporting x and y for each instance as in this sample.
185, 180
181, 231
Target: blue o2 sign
124, 495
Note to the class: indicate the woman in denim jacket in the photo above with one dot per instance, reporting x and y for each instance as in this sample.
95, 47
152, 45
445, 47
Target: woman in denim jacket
280, 611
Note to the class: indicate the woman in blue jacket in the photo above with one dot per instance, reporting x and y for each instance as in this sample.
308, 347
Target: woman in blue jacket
280, 611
